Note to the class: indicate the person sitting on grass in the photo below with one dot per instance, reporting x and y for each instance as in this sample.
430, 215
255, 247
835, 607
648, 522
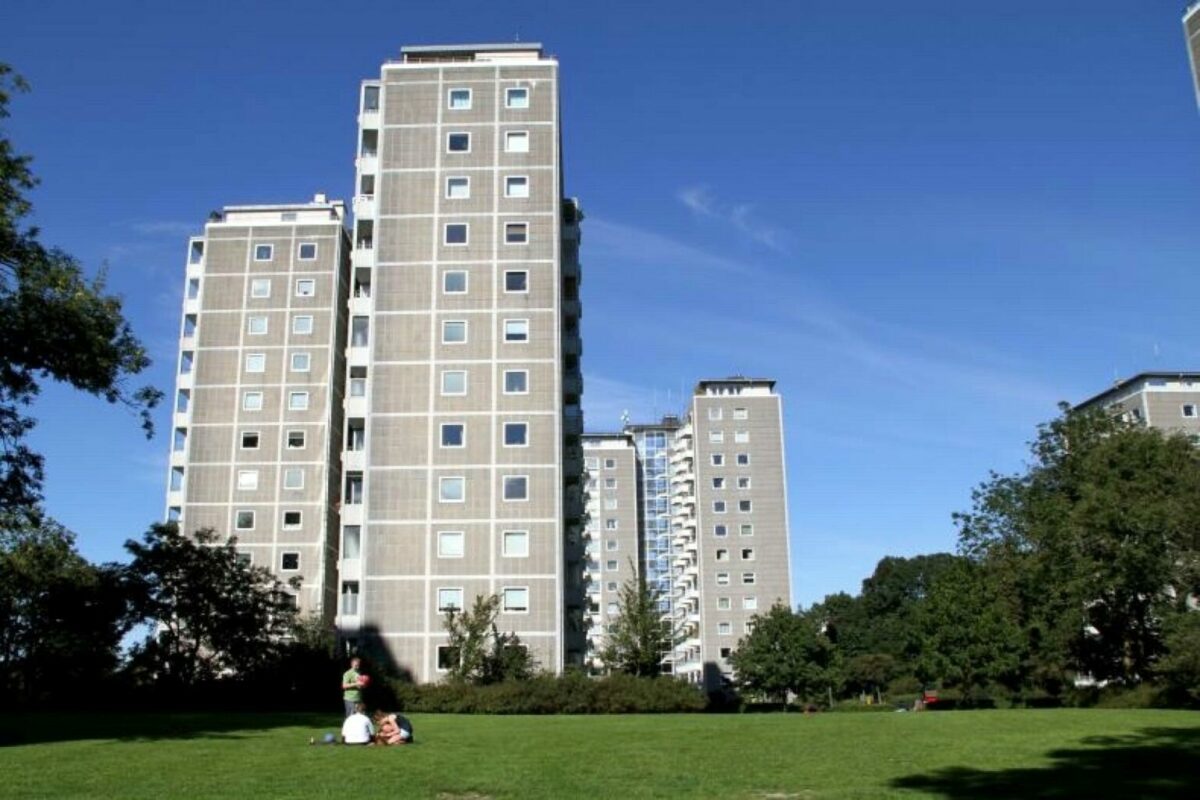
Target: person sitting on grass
393, 728
357, 729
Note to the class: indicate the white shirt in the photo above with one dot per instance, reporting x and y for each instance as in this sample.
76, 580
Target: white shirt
357, 729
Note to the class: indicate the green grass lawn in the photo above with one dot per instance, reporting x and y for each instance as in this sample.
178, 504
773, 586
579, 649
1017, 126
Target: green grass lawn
1000, 754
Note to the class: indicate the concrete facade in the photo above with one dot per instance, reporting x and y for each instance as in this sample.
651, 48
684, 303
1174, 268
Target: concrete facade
1169, 401
1191, 32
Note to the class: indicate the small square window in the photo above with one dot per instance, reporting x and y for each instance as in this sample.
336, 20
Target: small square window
747, 554
458, 188
516, 434
516, 330
263, 252
450, 544
612, 544
750, 603
453, 434
724, 604
293, 478
516, 487
447, 658
454, 382
452, 490
612, 565
298, 401
301, 362
516, 186
745, 505
306, 287
244, 521
610, 463
302, 325
515, 544
726, 652
307, 251
741, 437
725, 628
741, 413
718, 483
256, 326
249, 440
611, 524
722, 554
715, 413
252, 401
516, 281
516, 600
449, 599
456, 233
454, 332
722, 579
718, 506
295, 440
716, 437
611, 586
720, 531
516, 233
256, 362
458, 142
746, 530
289, 562
247, 480
516, 141
459, 99
748, 578
517, 97
717, 459
454, 281
743, 482
1189, 410
743, 459
516, 381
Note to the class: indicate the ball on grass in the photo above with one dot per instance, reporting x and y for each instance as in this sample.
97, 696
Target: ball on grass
328, 738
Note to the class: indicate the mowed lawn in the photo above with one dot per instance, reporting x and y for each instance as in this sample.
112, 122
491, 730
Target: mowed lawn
968, 754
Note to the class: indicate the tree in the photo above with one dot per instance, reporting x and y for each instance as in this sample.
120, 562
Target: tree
639, 635
478, 652
216, 615
786, 652
1094, 544
56, 323
61, 618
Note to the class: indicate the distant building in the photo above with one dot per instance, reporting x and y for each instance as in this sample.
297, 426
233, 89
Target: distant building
1191, 30
1169, 401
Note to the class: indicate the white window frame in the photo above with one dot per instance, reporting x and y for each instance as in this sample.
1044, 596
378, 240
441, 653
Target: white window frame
450, 134
504, 479
504, 606
744, 555
270, 252
444, 480
505, 375
517, 322
724, 629
307, 356
743, 482
750, 603
266, 325
294, 398
515, 136
513, 224
287, 439
724, 604
510, 92
719, 507
504, 433
722, 579
284, 555
466, 275
716, 413
746, 529
745, 506
466, 331
511, 181
717, 459
297, 326
458, 180
749, 578
741, 413
742, 460
716, 437
290, 471
450, 590
442, 435
1184, 410
515, 534
247, 480
291, 526
306, 287
466, 242
257, 440
442, 383
450, 98
300, 251
260, 288
247, 405
237, 517
721, 531
253, 359
524, 272
445, 536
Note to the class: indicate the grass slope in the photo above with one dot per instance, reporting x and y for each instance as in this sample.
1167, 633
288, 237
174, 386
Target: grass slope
1000, 754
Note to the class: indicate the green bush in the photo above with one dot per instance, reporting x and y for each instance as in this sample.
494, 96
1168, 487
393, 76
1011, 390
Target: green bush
570, 693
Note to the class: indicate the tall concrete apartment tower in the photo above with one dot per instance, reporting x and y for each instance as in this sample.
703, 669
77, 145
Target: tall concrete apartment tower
257, 422
463, 462
1191, 31
729, 522
1169, 401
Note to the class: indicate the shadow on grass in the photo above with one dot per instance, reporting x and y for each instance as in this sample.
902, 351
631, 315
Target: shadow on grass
1159, 763
39, 728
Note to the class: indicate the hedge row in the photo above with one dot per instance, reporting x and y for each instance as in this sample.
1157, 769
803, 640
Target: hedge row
570, 693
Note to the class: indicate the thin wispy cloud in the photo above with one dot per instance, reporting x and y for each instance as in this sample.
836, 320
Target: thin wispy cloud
169, 228
624, 243
703, 203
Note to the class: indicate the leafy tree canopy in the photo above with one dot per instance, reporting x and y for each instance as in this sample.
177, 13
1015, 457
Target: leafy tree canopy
638, 636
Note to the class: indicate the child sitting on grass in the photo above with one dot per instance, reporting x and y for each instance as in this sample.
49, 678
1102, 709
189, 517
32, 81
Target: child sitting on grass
392, 728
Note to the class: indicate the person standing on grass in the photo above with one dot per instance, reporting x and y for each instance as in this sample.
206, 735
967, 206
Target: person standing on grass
351, 683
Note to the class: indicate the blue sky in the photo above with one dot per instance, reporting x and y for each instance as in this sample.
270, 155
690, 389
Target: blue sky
929, 221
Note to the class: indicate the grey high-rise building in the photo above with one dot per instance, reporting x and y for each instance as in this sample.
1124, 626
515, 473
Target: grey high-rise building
1191, 31
1169, 401
257, 425
463, 461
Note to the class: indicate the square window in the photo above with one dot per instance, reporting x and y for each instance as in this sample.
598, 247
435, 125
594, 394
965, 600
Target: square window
516, 434
516, 487
454, 332
610, 463
516, 599
743, 482
458, 188
726, 652
295, 440
749, 603
516, 381
741, 413
516, 141
306, 287
715, 413
449, 599
1189, 409
307, 251
747, 530
516, 281
301, 362
454, 382
289, 562
447, 658
256, 362
517, 97
263, 252
718, 506
249, 440
454, 281
611, 586
611, 566
741, 437
722, 554
716, 437
458, 142
722, 579
724, 604
297, 401
244, 521
516, 186
745, 505
453, 434
302, 325
743, 459
720, 531
459, 99
452, 490
718, 483
717, 459
456, 233
516, 330
612, 544
725, 628
747, 554
252, 401
247, 480
515, 544
516, 233
611, 524
293, 478
450, 544
256, 326
748, 578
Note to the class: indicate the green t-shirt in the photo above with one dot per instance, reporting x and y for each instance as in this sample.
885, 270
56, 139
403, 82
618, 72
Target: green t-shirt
353, 695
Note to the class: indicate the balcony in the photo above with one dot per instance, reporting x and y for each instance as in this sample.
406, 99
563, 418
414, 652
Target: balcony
572, 421
572, 346
572, 310
364, 206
